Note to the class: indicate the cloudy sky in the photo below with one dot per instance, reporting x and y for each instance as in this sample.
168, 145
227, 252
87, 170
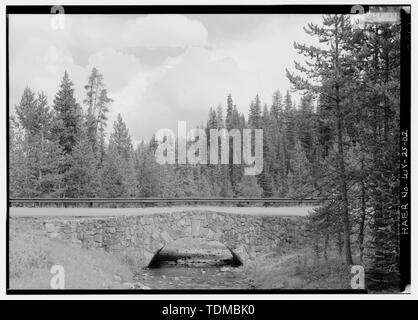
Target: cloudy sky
158, 69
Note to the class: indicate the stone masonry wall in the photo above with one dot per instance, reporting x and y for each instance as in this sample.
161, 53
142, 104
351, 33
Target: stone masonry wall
143, 235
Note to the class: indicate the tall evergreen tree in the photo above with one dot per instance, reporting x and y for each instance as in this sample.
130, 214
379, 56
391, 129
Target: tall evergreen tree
254, 116
265, 177
229, 113
120, 139
18, 166
83, 174
98, 104
42, 156
111, 175
333, 70
277, 106
67, 115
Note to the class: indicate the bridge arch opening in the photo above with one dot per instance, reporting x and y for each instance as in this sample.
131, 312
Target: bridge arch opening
195, 252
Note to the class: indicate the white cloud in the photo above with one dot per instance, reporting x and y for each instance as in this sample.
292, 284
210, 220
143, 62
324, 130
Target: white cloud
183, 86
54, 59
164, 31
117, 67
186, 91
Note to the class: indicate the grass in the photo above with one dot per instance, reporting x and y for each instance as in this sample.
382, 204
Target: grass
298, 270
301, 270
32, 254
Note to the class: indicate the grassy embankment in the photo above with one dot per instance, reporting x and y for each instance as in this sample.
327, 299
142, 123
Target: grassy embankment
298, 270
32, 254
302, 270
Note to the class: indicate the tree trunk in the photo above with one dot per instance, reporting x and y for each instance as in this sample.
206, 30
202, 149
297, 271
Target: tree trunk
326, 240
316, 248
344, 193
362, 220
339, 244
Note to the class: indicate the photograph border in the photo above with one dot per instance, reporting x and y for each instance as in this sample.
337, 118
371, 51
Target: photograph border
405, 126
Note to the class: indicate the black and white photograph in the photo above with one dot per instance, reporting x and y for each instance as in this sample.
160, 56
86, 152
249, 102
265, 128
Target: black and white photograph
208, 149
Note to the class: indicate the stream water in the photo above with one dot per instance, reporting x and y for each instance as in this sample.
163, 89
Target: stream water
190, 274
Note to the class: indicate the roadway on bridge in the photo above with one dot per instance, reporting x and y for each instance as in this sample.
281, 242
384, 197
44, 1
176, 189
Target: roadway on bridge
97, 212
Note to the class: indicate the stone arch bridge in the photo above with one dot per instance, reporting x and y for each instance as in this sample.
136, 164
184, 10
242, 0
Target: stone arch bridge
142, 236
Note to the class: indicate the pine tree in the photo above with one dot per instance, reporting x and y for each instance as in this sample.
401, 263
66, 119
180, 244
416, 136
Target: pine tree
376, 128
288, 103
236, 170
214, 171
147, 169
83, 174
111, 175
289, 132
23, 146
50, 179
130, 183
120, 139
265, 177
299, 178
67, 115
26, 111
223, 169
277, 145
277, 106
249, 187
42, 156
334, 71
229, 113
254, 116
120, 144
97, 103
167, 181
18, 165
304, 125
219, 117
185, 183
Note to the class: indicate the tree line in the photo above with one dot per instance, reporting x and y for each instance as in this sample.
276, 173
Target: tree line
339, 142
62, 150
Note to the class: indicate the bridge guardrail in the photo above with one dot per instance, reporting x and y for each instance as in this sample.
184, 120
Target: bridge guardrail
156, 200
